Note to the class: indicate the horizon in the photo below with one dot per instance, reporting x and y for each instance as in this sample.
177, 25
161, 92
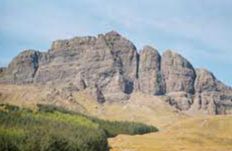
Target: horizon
198, 30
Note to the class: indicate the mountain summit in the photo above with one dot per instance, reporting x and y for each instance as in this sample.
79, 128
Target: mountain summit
112, 69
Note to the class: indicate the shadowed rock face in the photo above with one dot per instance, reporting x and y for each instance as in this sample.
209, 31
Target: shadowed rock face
23, 67
110, 67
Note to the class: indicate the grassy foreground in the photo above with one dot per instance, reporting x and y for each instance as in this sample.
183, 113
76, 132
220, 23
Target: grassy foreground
151, 110
211, 133
54, 129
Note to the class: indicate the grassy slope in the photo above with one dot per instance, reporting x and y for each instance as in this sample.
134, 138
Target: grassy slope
24, 130
29, 95
194, 134
51, 128
140, 108
187, 134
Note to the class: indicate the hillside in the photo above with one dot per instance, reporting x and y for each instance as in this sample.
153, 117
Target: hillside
141, 107
199, 133
177, 130
50, 128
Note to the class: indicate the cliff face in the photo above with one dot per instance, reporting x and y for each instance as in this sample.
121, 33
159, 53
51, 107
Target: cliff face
106, 64
110, 66
22, 68
178, 73
149, 72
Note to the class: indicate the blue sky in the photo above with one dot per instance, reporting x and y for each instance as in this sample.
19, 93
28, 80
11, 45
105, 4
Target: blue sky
201, 30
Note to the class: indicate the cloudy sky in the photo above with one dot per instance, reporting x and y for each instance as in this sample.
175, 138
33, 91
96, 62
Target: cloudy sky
201, 30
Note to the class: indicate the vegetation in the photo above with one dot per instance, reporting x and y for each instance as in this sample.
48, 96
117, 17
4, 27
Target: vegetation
114, 128
111, 128
52, 128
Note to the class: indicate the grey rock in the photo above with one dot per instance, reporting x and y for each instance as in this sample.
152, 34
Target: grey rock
80, 82
107, 62
205, 81
150, 78
204, 103
23, 68
178, 73
97, 94
180, 100
109, 67
211, 96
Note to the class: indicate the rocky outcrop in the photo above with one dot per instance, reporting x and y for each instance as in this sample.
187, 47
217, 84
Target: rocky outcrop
180, 100
23, 68
178, 73
205, 81
109, 67
211, 96
150, 78
106, 64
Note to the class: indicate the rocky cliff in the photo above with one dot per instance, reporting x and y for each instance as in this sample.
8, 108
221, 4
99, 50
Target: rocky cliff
110, 66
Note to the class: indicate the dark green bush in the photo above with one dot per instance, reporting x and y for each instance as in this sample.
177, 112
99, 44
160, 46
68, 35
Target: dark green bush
114, 128
111, 128
53, 129
21, 130
52, 108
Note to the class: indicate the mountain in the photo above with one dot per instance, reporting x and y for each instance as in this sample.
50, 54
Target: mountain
111, 69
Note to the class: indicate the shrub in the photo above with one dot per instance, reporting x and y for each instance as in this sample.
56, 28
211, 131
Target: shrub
48, 132
53, 128
112, 128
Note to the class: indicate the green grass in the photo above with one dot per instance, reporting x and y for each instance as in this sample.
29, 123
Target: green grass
112, 128
52, 128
